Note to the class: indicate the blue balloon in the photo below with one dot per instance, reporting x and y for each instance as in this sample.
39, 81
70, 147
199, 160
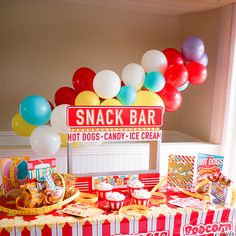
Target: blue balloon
35, 110
154, 81
127, 95
183, 87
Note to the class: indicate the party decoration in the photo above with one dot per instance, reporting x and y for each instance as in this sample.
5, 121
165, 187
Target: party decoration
197, 73
35, 110
181, 171
157, 81
127, 95
183, 87
176, 75
106, 84
173, 56
20, 126
133, 74
111, 102
172, 98
51, 105
154, 81
87, 98
65, 95
58, 119
193, 48
45, 140
83, 79
148, 98
14, 172
203, 59
154, 60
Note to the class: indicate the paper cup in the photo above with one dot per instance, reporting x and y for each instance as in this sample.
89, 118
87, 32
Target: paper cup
115, 205
102, 193
141, 201
56, 194
131, 190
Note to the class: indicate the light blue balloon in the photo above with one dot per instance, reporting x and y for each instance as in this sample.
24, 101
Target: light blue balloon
127, 95
154, 81
183, 87
35, 110
203, 59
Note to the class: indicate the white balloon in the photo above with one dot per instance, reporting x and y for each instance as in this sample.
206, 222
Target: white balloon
106, 84
58, 119
134, 75
45, 140
154, 60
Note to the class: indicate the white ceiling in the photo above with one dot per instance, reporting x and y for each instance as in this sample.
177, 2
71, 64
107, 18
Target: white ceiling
166, 7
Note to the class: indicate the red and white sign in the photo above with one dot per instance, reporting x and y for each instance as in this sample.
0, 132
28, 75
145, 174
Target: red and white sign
114, 117
121, 123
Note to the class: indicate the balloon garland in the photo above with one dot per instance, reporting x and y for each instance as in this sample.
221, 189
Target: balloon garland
157, 81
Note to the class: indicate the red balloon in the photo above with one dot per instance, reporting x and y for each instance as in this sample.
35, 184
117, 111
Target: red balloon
173, 56
171, 97
176, 75
197, 73
65, 95
83, 79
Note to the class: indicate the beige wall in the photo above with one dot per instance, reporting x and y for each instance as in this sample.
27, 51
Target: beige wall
194, 117
43, 42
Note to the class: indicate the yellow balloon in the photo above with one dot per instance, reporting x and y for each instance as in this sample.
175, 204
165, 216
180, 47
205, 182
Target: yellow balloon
148, 98
20, 126
64, 139
111, 102
87, 98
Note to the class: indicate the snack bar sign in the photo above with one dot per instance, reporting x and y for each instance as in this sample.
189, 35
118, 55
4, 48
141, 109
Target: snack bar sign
115, 123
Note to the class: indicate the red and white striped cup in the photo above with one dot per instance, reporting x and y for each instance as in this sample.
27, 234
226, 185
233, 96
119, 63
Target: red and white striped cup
131, 190
115, 205
140, 201
102, 193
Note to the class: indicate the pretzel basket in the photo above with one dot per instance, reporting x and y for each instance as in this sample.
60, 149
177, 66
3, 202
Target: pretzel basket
21, 210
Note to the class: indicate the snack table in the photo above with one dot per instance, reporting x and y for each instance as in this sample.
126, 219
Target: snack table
162, 220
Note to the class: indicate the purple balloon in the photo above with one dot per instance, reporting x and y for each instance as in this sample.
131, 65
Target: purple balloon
203, 59
193, 48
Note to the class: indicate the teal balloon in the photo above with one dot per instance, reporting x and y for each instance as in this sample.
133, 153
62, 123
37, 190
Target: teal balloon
183, 87
35, 110
154, 81
22, 170
127, 95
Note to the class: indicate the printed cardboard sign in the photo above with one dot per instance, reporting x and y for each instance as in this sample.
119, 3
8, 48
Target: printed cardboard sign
208, 165
123, 123
181, 171
36, 168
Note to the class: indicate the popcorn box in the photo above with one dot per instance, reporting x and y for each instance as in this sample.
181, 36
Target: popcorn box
36, 168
